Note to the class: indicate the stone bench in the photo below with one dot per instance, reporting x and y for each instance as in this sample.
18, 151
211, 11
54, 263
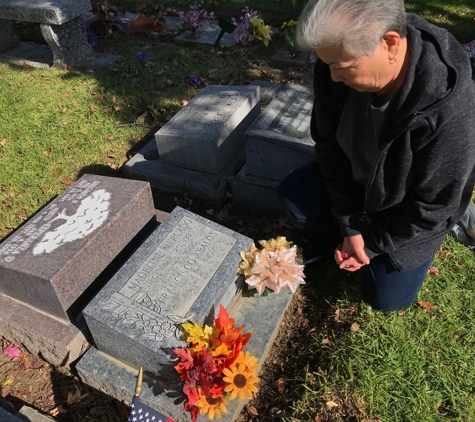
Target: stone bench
61, 23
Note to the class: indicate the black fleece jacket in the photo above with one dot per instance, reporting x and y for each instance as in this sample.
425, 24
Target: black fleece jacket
423, 177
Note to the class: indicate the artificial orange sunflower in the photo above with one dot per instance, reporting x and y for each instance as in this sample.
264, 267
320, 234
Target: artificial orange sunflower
240, 382
249, 360
212, 406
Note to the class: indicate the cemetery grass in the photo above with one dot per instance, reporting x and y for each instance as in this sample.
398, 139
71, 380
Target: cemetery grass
333, 360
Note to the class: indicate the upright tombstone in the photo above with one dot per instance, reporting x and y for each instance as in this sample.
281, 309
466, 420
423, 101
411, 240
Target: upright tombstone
48, 267
277, 143
201, 146
183, 271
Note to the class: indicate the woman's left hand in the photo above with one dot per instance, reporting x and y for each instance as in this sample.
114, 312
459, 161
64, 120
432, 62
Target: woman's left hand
350, 255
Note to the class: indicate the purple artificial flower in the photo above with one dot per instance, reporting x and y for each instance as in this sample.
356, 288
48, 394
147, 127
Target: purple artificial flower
193, 81
142, 56
93, 40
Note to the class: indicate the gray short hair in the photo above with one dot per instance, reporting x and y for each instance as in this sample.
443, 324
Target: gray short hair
356, 25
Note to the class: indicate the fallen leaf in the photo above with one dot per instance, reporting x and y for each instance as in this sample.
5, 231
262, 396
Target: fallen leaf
331, 403
98, 411
426, 305
318, 418
252, 411
12, 352
401, 313
37, 365
210, 211
184, 102
280, 384
57, 410
92, 109
7, 382
58, 172
355, 326
65, 95
310, 377
22, 215
2, 142
25, 360
116, 108
298, 312
110, 138
48, 151
370, 420
433, 271
112, 166
76, 397
67, 181
326, 341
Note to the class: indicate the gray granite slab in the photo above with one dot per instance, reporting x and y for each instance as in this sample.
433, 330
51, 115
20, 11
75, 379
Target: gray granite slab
28, 414
256, 195
183, 271
29, 54
268, 89
282, 56
56, 255
207, 133
7, 416
200, 186
279, 141
54, 12
206, 35
261, 315
68, 42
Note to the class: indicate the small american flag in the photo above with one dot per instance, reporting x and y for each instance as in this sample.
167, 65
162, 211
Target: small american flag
140, 412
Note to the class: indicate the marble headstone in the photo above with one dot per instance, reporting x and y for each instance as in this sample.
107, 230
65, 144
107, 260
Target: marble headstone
208, 132
55, 256
279, 141
183, 271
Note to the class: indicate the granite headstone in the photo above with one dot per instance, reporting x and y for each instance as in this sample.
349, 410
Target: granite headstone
183, 271
208, 132
55, 256
279, 141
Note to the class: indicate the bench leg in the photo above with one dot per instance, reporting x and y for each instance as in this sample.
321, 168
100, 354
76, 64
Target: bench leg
8, 39
68, 42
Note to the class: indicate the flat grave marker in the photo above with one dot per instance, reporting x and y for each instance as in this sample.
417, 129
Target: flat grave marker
183, 271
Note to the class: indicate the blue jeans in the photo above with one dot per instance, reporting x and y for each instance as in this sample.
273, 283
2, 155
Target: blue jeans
384, 287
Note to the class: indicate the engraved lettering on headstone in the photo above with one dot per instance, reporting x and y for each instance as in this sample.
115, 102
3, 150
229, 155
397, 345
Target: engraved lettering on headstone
295, 120
164, 288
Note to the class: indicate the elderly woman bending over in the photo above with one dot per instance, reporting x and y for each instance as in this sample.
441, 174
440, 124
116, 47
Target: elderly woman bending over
394, 127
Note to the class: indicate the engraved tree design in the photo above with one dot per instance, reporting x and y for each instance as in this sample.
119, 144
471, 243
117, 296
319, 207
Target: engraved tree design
90, 215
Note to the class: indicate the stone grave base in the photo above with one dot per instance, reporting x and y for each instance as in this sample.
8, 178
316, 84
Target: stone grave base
41, 55
256, 194
261, 315
204, 187
282, 55
55, 340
